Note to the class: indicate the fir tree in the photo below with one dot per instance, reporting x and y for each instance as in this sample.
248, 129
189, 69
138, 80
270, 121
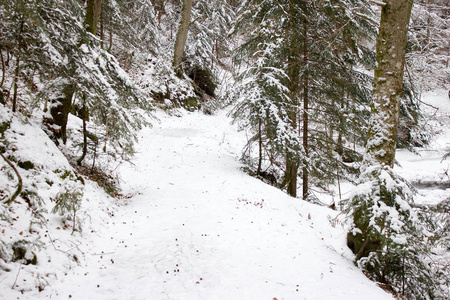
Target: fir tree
321, 77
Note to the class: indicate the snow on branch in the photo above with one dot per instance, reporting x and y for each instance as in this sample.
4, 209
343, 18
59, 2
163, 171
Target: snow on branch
380, 3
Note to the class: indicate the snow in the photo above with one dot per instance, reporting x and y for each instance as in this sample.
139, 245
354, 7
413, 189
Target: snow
428, 166
200, 228
192, 224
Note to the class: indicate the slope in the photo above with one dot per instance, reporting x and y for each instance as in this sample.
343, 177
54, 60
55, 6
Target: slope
200, 228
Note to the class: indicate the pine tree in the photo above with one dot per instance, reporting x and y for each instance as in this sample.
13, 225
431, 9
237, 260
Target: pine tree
320, 75
66, 68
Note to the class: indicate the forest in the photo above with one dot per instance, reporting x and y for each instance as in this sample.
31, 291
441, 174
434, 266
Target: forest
322, 101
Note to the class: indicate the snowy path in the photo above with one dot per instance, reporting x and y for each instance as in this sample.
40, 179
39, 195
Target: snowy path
203, 229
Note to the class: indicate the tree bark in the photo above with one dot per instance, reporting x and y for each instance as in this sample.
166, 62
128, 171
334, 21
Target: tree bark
102, 32
3, 68
17, 71
180, 40
383, 127
291, 172
60, 109
85, 133
258, 171
391, 48
305, 176
93, 12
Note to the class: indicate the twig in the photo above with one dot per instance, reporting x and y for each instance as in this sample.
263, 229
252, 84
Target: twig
106, 253
19, 185
17, 276
414, 93
363, 247
51, 240
380, 3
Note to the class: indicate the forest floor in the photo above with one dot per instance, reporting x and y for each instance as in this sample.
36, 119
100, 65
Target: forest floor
198, 227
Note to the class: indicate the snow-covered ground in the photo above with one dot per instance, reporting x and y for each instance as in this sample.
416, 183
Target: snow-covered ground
198, 227
427, 166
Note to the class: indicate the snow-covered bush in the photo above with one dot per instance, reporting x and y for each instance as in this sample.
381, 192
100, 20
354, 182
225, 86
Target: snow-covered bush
389, 235
68, 202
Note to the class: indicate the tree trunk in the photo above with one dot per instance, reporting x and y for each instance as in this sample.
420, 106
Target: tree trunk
3, 69
382, 136
60, 109
305, 110
85, 133
17, 71
291, 172
181, 37
16, 78
93, 12
110, 41
258, 171
102, 30
391, 48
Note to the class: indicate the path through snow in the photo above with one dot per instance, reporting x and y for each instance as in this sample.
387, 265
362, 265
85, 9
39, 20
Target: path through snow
202, 229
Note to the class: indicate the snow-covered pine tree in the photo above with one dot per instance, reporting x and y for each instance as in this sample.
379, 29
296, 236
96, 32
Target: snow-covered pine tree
339, 88
328, 95
208, 42
61, 54
261, 107
272, 59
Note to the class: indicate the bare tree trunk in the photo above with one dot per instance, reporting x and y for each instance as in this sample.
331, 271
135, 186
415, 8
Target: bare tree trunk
102, 32
85, 133
258, 171
391, 48
16, 78
110, 41
291, 173
181, 37
93, 12
17, 71
3, 69
305, 110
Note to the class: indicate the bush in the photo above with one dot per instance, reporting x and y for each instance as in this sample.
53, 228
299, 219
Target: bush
68, 202
389, 236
